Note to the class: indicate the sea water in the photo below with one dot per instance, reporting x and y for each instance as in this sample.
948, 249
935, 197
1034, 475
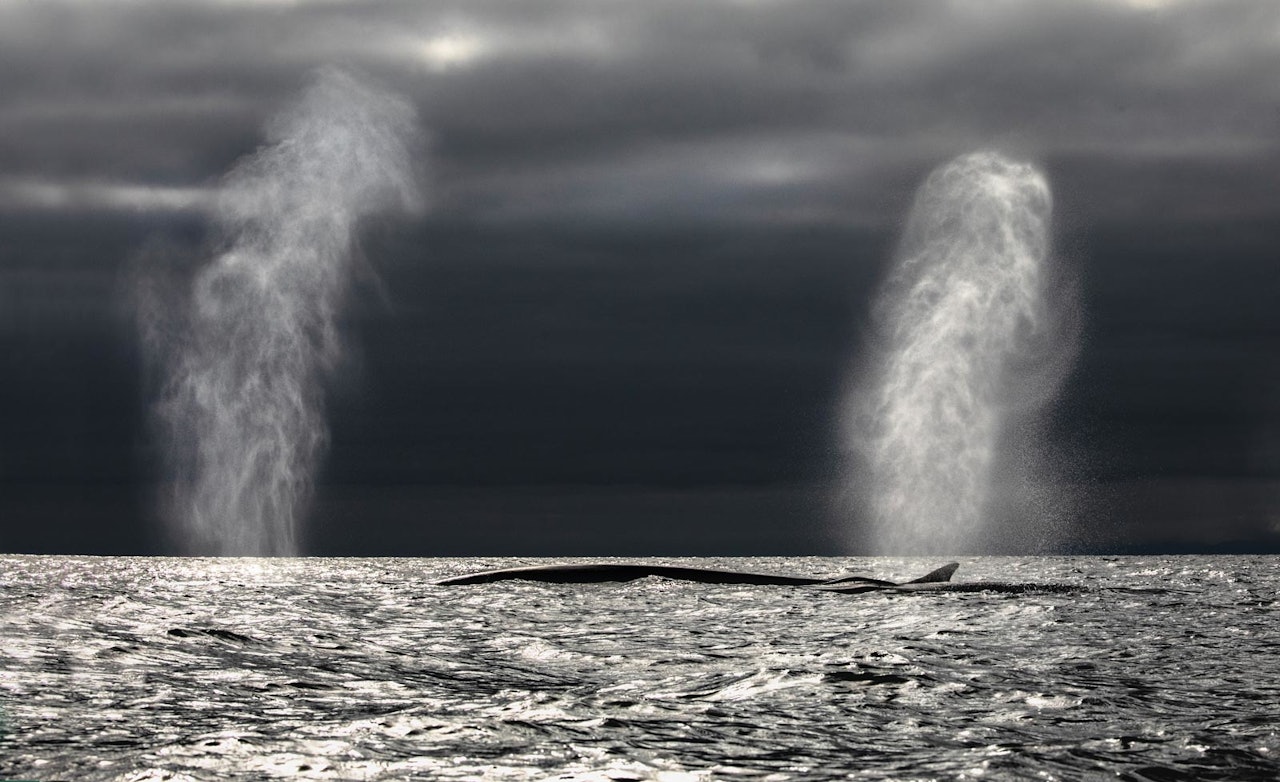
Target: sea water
1156, 668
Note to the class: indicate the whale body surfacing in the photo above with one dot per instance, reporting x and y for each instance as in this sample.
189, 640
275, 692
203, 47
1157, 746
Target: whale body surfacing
595, 573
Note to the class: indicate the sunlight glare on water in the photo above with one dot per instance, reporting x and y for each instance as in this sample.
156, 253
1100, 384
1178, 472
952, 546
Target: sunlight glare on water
148, 669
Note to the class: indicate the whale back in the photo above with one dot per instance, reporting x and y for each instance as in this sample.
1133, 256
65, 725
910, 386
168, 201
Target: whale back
599, 572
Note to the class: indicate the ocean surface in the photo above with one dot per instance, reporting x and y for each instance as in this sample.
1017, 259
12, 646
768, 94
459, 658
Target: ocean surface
1158, 668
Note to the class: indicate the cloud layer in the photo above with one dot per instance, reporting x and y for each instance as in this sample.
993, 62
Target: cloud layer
733, 110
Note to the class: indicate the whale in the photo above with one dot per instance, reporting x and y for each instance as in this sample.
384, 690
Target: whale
609, 572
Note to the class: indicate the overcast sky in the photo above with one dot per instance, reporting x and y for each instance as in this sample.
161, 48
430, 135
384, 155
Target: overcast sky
654, 235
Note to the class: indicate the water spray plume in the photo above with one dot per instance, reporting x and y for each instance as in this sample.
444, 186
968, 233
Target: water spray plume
963, 308
242, 405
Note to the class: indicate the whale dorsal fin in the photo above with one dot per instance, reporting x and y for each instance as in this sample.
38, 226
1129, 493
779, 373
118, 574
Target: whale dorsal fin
938, 576
943, 573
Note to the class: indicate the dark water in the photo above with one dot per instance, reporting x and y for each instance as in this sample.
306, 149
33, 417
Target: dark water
1156, 668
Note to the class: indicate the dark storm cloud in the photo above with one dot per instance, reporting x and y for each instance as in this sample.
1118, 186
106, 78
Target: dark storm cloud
747, 110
